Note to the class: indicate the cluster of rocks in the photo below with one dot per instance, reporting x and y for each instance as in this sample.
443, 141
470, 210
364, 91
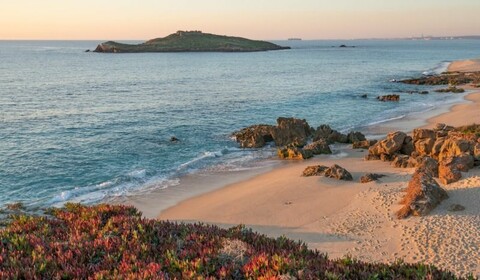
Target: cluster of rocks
452, 89
449, 78
370, 177
389, 97
295, 138
444, 150
335, 171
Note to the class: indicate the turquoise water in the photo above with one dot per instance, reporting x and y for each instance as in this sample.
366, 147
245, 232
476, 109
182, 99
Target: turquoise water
88, 127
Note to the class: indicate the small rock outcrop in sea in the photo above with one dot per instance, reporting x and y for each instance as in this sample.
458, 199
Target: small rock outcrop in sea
422, 195
449, 78
255, 136
290, 133
370, 177
315, 170
451, 89
442, 152
338, 172
389, 97
174, 139
294, 153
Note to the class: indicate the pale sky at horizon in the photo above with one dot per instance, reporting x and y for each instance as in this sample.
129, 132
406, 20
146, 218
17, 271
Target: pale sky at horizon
256, 19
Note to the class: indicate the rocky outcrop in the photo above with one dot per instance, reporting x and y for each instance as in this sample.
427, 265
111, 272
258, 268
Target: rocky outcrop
453, 149
404, 161
338, 172
293, 153
316, 170
255, 136
422, 195
456, 78
456, 208
389, 97
318, 147
389, 146
291, 131
363, 144
450, 89
370, 177
428, 165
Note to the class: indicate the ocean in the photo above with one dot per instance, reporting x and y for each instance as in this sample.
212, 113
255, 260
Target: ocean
88, 127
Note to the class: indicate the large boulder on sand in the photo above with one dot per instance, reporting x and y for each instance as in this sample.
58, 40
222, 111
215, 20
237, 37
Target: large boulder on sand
315, 170
318, 147
254, 136
338, 172
293, 153
422, 195
403, 161
291, 131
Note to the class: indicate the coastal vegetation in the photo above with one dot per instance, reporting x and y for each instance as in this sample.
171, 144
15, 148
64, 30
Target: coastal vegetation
191, 41
115, 242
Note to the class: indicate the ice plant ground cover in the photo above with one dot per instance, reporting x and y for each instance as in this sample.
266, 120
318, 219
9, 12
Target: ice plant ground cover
115, 242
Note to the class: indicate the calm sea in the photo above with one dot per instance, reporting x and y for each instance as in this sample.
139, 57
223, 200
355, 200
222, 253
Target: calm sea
87, 127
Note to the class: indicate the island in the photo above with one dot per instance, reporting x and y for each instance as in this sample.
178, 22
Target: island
191, 41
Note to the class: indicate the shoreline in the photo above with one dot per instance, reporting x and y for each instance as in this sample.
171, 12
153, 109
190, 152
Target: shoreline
338, 217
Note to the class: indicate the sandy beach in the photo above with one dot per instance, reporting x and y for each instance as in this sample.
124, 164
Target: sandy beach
350, 218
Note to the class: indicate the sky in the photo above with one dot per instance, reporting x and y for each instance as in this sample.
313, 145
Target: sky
256, 19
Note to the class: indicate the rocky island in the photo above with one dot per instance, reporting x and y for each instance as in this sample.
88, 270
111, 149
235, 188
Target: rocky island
191, 41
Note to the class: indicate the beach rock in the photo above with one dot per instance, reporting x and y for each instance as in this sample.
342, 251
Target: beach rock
456, 208
419, 134
331, 136
316, 170
291, 131
437, 147
424, 146
476, 151
174, 139
355, 136
448, 171
389, 146
457, 78
338, 172
365, 144
389, 97
369, 177
454, 147
428, 165
293, 153
451, 89
371, 157
364, 96
318, 147
407, 147
254, 136
403, 161
385, 157
422, 195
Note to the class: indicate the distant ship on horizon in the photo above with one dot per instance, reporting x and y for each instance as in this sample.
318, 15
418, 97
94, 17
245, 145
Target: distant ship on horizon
294, 39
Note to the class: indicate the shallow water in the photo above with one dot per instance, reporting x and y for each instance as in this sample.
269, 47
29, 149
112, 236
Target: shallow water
87, 127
